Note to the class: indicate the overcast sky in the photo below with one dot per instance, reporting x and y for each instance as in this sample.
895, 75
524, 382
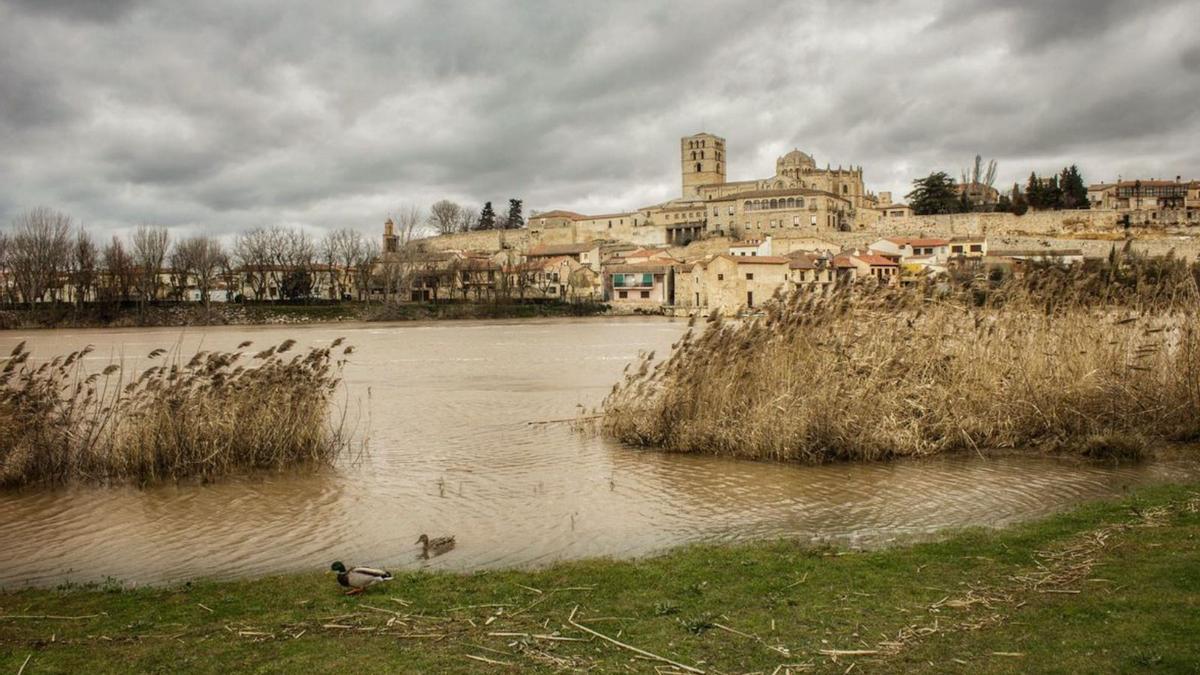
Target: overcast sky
226, 115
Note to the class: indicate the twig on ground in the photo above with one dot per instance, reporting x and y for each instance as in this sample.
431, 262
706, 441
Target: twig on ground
49, 617
602, 636
487, 660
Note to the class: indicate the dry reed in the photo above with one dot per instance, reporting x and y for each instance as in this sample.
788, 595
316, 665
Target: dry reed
1099, 360
204, 418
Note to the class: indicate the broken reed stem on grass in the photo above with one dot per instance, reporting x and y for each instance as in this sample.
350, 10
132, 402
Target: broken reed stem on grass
204, 418
649, 655
1097, 360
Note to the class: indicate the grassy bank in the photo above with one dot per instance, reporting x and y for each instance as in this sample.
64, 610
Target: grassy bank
1108, 587
1068, 360
266, 313
216, 413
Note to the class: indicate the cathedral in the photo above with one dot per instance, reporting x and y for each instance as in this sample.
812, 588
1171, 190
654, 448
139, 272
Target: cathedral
799, 200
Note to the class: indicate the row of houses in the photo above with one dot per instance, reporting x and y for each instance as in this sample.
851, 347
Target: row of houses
753, 271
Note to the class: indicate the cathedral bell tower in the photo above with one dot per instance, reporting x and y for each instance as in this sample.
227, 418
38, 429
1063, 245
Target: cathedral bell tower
702, 161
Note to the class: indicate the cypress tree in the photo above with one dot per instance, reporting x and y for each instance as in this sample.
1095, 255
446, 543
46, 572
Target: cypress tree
487, 217
515, 220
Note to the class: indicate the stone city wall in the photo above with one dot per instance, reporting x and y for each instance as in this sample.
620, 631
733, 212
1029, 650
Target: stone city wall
1047, 229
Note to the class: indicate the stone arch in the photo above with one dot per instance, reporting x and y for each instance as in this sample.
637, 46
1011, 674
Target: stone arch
748, 206
774, 204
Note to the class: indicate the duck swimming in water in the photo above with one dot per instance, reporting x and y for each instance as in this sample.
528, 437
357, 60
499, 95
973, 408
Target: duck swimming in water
435, 546
358, 579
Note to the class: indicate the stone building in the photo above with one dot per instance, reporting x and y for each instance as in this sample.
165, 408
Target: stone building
1149, 201
800, 199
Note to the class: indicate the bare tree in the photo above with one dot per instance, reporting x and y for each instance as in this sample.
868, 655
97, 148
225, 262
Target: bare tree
253, 253
180, 273
84, 259
409, 223
445, 216
204, 260
118, 268
344, 249
150, 245
364, 268
328, 252
468, 219
977, 175
5, 271
39, 251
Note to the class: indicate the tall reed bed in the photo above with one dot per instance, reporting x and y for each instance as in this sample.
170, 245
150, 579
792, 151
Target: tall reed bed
215, 414
1067, 359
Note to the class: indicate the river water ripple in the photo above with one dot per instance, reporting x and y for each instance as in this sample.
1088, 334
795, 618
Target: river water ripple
447, 407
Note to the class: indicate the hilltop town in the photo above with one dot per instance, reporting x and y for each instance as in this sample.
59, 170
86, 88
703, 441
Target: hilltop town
721, 247
726, 246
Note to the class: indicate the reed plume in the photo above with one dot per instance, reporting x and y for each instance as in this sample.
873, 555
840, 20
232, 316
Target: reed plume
1101, 360
203, 418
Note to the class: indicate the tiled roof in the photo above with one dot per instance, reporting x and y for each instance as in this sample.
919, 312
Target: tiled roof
608, 215
645, 253
636, 267
876, 260
756, 259
559, 213
803, 262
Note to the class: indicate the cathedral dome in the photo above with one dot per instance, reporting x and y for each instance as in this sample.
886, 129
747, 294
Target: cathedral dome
796, 159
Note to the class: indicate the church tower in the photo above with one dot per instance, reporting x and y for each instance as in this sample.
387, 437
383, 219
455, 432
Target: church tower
702, 161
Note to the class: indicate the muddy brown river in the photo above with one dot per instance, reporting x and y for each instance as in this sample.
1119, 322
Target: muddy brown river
447, 408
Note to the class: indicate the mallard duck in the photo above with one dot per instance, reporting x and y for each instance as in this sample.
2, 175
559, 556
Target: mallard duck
436, 546
358, 579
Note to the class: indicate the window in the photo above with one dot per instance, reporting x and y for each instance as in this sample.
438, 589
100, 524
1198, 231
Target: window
731, 209
720, 277
749, 276
623, 294
749, 298
716, 211
697, 167
845, 189
976, 248
645, 294
795, 221
814, 220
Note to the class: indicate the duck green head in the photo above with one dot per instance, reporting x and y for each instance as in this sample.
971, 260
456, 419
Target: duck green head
338, 567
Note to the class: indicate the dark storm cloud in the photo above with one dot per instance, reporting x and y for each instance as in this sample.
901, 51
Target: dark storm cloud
224, 115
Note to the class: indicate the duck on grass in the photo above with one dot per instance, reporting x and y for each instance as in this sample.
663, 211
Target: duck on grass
358, 579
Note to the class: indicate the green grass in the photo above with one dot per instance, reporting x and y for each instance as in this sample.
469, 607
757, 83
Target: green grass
1127, 599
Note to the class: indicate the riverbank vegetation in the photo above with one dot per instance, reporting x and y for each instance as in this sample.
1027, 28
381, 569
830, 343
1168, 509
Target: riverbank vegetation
216, 413
160, 314
1108, 587
1102, 360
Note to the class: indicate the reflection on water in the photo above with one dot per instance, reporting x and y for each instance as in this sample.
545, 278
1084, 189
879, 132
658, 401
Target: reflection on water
448, 407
